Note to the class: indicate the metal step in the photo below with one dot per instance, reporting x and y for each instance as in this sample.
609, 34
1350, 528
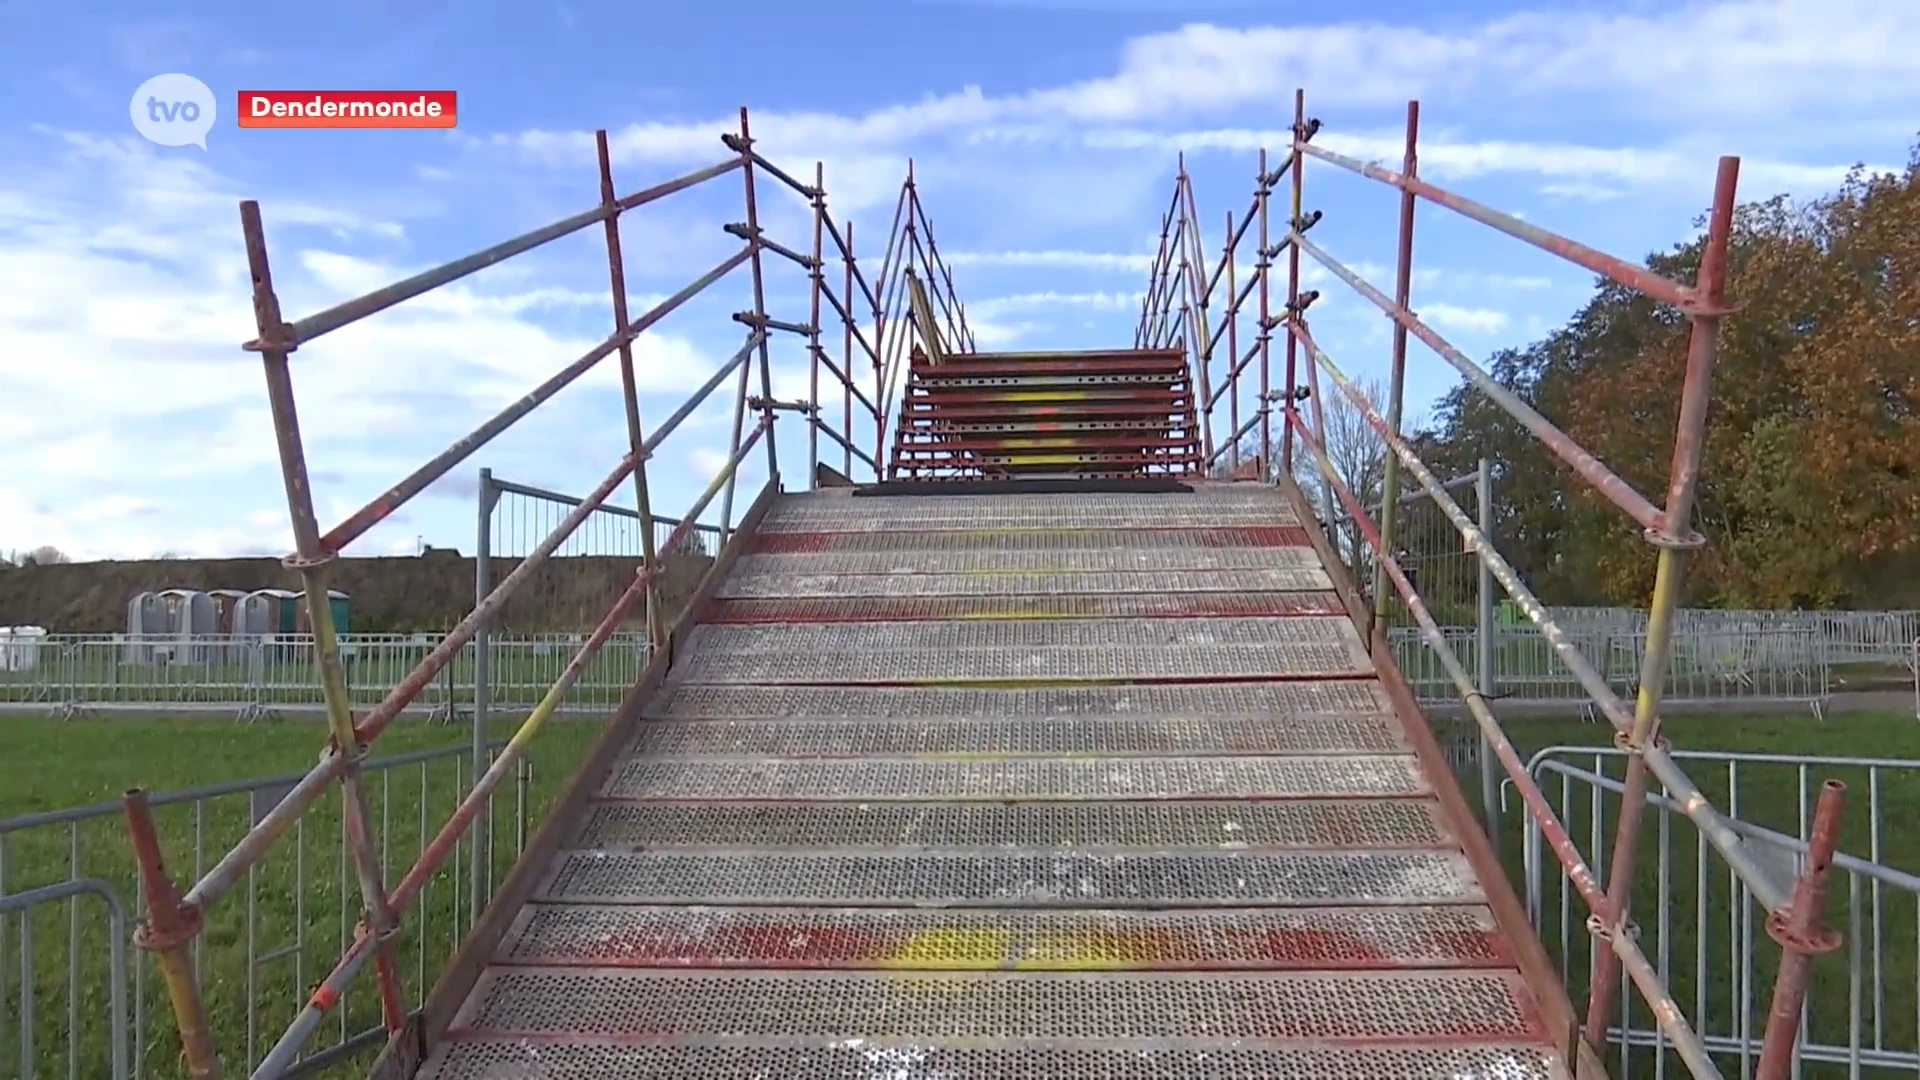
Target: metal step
768, 586
1096, 663
1383, 823
1169, 409
1062, 1009
1045, 463
1002, 425
932, 448
1081, 606
1032, 778
1169, 400
825, 737
1201, 494
860, 1058
1275, 939
1012, 880
946, 635
1161, 363
1278, 702
986, 513
1259, 536
1119, 560
1151, 388
881, 517
936, 381
1092, 356
1136, 444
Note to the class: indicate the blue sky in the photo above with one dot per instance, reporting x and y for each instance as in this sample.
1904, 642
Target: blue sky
1044, 132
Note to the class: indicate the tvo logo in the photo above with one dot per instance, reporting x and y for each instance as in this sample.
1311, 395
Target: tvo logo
173, 110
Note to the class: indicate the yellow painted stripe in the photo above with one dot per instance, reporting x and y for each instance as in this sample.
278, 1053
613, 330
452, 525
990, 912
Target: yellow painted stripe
1036, 459
1061, 394
1038, 444
987, 949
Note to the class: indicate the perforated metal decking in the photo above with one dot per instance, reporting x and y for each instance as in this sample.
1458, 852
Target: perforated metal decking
1012, 786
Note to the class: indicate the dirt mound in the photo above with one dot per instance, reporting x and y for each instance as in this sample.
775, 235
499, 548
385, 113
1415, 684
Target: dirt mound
389, 595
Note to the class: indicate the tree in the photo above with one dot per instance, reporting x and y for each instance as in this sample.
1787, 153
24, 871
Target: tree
692, 545
1356, 452
1810, 484
44, 555
1358, 457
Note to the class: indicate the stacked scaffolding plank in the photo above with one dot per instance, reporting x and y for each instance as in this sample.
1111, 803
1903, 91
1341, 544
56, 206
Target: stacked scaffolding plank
1124, 413
1015, 786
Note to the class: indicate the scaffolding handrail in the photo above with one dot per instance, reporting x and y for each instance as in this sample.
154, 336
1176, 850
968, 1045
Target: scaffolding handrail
1175, 309
941, 321
1178, 273
290, 335
175, 917
1685, 1041
1590, 468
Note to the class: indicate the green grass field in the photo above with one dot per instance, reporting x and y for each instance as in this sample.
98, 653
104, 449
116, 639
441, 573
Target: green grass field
293, 908
297, 914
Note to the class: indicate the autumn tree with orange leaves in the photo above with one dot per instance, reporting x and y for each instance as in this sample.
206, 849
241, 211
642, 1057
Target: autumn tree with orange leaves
1810, 489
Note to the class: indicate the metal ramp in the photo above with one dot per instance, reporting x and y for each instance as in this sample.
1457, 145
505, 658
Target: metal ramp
1098, 782
1048, 786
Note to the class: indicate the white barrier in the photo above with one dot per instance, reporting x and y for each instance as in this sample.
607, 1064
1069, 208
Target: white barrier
264, 674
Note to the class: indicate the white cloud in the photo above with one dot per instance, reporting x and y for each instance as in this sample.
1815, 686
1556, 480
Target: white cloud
1477, 279
862, 167
1078, 260
1063, 160
1108, 301
1448, 278
123, 302
1744, 58
993, 335
1445, 159
1462, 319
123, 289
121, 526
1583, 191
707, 461
1742, 62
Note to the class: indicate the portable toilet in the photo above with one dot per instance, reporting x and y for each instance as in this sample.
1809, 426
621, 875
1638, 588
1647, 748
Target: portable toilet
275, 608
189, 613
337, 602
145, 615
268, 613
258, 613
226, 610
20, 647
1511, 615
190, 620
146, 620
226, 624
